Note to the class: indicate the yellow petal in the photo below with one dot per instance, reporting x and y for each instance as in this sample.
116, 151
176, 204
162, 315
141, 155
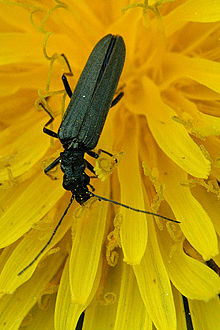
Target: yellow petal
192, 278
195, 222
205, 72
198, 123
28, 249
199, 92
27, 48
23, 102
66, 312
210, 203
86, 250
32, 78
154, 285
102, 310
191, 11
205, 315
12, 16
131, 311
15, 306
180, 313
22, 152
209, 125
133, 230
41, 318
171, 136
28, 207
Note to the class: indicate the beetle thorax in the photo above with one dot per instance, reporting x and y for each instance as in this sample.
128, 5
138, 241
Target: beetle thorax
75, 179
72, 162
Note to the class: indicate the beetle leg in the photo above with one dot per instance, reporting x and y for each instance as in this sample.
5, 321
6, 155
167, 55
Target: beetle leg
68, 65
64, 78
116, 99
50, 132
52, 165
96, 155
45, 129
89, 166
105, 152
67, 86
92, 154
93, 189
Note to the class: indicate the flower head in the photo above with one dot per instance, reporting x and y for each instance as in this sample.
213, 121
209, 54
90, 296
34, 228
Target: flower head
122, 268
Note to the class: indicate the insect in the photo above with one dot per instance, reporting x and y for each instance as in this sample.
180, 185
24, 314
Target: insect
84, 119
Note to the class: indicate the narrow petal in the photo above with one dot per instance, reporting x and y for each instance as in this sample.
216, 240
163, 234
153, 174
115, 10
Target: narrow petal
12, 16
192, 278
102, 310
198, 123
198, 92
67, 313
23, 152
209, 125
180, 313
90, 16
205, 72
21, 215
32, 78
23, 102
28, 249
27, 48
171, 136
195, 222
15, 306
41, 318
154, 285
133, 231
205, 315
86, 250
210, 203
131, 312
190, 11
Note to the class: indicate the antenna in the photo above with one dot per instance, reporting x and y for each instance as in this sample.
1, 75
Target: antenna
132, 208
65, 212
48, 242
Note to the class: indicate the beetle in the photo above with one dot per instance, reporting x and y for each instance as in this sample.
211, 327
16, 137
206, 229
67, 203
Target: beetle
86, 113
83, 122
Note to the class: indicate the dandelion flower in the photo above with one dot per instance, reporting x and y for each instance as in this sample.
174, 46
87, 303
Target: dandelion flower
125, 270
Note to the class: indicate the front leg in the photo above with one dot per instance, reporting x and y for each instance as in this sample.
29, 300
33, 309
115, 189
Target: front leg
90, 167
52, 165
96, 155
45, 129
67, 86
117, 99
